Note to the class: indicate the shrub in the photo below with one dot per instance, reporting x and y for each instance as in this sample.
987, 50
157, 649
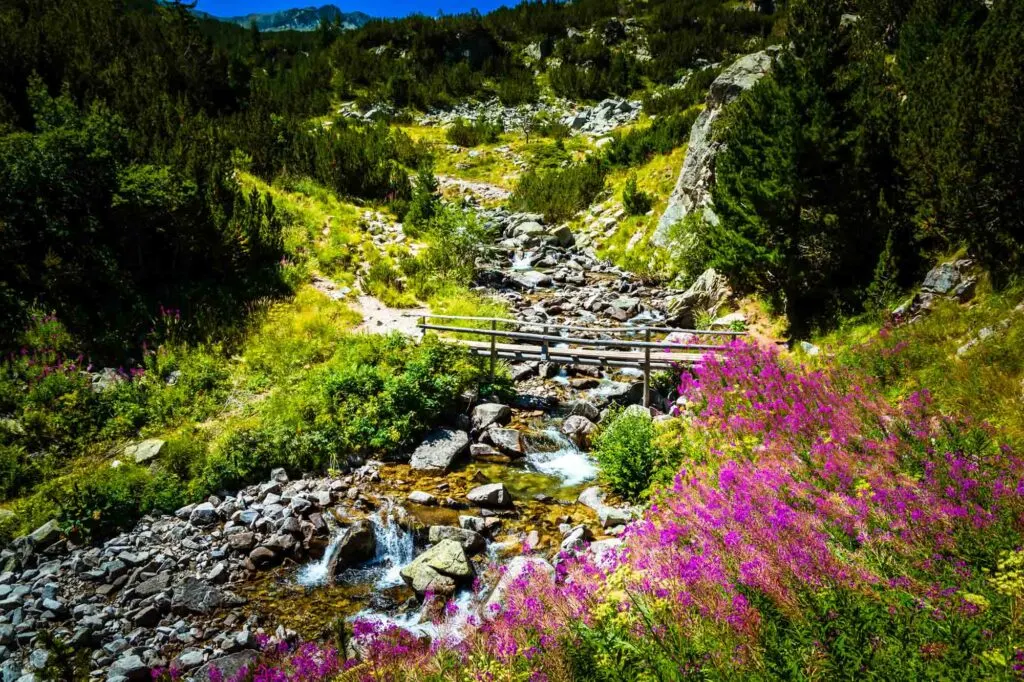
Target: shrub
519, 87
635, 201
627, 453
424, 204
473, 134
558, 193
638, 145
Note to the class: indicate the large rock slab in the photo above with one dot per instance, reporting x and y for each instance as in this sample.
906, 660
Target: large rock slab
228, 666
693, 189
472, 542
440, 450
146, 451
197, 596
706, 295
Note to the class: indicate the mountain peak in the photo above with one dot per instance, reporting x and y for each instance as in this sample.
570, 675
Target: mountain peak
298, 19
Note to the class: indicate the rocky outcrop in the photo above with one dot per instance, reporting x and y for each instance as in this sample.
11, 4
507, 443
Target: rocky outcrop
693, 189
706, 295
955, 280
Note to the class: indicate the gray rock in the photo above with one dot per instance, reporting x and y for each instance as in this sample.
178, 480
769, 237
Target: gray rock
45, 535
227, 665
581, 408
357, 546
196, 596
579, 430
154, 585
439, 569
508, 441
491, 496
439, 450
189, 659
129, 667
693, 189
706, 295
146, 451
563, 236
531, 279
472, 542
203, 515
490, 414
420, 497
941, 279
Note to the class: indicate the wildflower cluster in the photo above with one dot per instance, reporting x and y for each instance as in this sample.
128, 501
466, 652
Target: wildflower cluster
277, 663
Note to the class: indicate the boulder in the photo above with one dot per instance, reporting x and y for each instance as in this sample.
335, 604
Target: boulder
562, 236
693, 189
358, 545
154, 585
45, 535
531, 279
490, 414
706, 295
579, 430
439, 450
532, 570
491, 496
582, 408
472, 542
420, 497
196, 596
146, 451
440, 569
508, 441
203, 515
129, 667
228, 666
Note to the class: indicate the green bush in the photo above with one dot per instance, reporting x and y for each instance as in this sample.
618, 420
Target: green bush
99, 500
635, 201
559, 193
627, 453
473, 134
638, 145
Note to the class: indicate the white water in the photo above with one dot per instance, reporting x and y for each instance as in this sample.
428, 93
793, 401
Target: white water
451, 630
523, 262
394, 551
567, 462
315, 574
395, 547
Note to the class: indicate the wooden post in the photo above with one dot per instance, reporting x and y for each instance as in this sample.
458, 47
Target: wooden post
544, 346
494, 346
647, 369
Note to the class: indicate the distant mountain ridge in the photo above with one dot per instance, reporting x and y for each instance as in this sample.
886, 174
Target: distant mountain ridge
298, 19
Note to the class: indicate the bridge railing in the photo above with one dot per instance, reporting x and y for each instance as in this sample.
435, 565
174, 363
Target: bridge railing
570, 344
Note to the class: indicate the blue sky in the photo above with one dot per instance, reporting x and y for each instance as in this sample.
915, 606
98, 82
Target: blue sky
377, 8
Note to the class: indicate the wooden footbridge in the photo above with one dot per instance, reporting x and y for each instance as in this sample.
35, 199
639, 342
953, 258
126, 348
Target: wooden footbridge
643, 348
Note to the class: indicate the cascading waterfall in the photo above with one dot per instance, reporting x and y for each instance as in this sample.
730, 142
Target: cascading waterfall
567, 461
395, 547
523, 261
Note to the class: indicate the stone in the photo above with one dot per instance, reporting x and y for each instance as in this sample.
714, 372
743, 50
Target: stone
358, 545
154, 585
472, 542
697, 177
536, 570
263, 557
130, 667
508, 441
439, 450
491, 496
614, 516
242, 542
228, 666
941, 279
199, 597
582, 408
146, 451
563, 236
420, 497
490, 414
45, 535
705, 296
579, 430
532, 279
439, 569
203, 515
189, 659
279, 475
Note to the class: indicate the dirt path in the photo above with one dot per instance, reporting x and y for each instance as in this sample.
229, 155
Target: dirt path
380, 319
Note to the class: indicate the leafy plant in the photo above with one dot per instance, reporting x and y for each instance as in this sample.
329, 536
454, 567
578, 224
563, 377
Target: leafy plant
627, 453
634, 200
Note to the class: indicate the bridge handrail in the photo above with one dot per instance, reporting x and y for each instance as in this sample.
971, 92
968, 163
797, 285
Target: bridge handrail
606, 330
549, 338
